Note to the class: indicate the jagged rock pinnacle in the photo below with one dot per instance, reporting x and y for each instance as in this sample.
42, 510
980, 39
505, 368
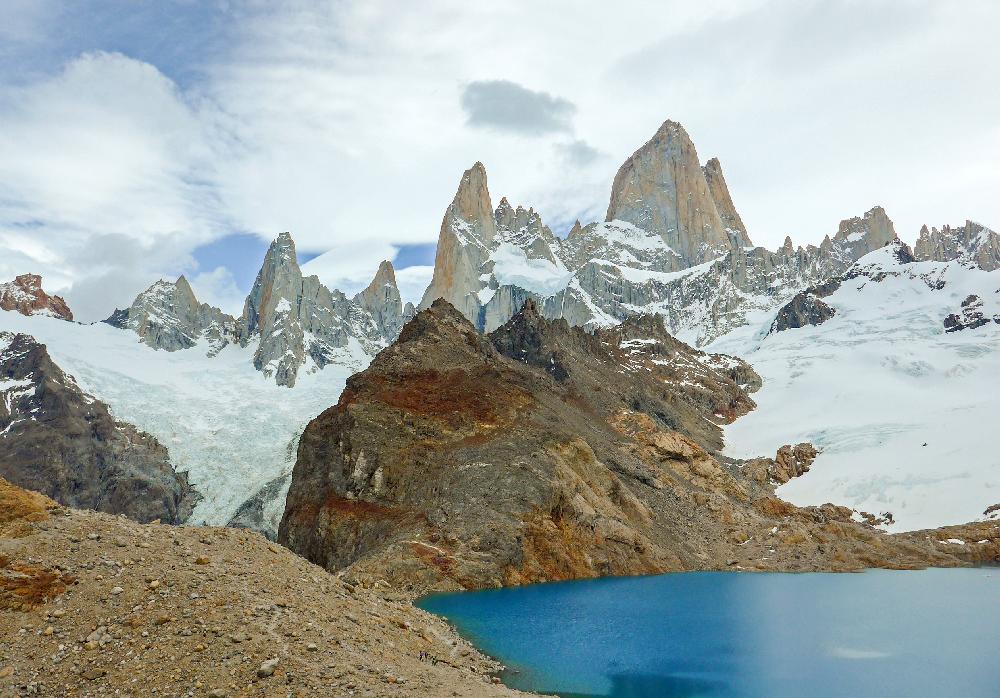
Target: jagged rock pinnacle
971, 243
663, 189
381, 298
467, 234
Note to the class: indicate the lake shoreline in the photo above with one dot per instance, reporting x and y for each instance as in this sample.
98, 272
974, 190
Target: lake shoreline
533, 659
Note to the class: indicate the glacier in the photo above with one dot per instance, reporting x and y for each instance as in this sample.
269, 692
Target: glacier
902, 411
229, 426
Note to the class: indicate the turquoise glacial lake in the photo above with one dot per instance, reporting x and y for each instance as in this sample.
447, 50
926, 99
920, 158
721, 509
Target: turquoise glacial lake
878, 633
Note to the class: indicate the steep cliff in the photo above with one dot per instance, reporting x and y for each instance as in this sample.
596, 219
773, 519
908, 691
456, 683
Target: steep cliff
467, 236
663, 189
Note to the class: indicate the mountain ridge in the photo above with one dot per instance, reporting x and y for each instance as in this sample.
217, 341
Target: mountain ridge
294, 322
541, 452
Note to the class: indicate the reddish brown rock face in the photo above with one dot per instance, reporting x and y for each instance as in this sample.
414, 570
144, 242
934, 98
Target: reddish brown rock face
25, 295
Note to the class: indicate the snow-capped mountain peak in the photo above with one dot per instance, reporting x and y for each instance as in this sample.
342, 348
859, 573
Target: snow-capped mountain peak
673, 243
292, 322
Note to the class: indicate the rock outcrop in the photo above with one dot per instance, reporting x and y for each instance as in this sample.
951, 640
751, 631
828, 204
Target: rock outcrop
25, 295
970, 316
58, 440
971, 243
804, 309
168, 316
542, 452
789, 462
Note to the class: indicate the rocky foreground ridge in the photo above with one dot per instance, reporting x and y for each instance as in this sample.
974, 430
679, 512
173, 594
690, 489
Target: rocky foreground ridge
92, 604
541, 452
56, 439
294, 322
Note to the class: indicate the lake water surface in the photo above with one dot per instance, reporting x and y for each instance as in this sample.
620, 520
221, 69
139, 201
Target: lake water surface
878, 633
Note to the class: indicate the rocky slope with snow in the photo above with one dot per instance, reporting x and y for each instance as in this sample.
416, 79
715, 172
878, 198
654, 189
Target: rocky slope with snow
25, 295
168, 316
232, 429
298, 323
207, 386
292, 322
58, 440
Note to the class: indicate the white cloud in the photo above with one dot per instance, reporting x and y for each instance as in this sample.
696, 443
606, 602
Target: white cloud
104, 179
107, 145
413, 281
218, 287
351, 264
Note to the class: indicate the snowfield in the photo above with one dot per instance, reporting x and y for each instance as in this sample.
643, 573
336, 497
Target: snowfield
905, 414
226, 423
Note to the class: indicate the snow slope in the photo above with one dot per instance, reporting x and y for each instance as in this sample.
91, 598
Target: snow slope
874, 384
227, 424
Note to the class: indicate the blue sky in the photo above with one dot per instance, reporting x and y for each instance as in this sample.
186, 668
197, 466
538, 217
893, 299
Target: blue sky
143, 139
